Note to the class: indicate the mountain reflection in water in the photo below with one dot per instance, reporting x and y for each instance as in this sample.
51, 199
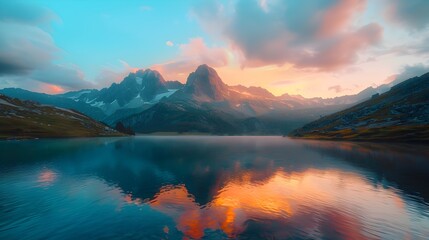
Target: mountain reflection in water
212, 187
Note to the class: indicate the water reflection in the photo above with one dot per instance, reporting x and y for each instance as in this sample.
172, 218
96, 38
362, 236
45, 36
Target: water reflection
46, 177
291, 201
214, 187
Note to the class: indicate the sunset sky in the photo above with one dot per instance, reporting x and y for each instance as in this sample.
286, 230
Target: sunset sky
314, 48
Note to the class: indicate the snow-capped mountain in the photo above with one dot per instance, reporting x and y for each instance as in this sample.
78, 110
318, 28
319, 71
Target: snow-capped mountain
135, 91
207, 104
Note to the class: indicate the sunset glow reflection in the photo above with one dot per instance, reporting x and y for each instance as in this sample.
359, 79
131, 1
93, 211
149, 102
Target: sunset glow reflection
287, 199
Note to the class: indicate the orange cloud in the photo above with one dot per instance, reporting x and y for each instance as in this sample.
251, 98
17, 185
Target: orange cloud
52, 89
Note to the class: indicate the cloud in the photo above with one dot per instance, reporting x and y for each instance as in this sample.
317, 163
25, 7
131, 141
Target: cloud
50, 79
169, 43
342, 49
24, 48
410, 13
27, 51
414, 47
309, 34
20, 11
337, 89
24, 45
51, 89
338, 16
410, 71
191, 55
28, 83
70, 78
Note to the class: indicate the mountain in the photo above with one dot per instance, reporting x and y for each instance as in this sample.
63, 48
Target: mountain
56, 100
27, 119
174, 84
143, 88
256, 91
137, 92
205, 85
302, 102
207, 104
401, 114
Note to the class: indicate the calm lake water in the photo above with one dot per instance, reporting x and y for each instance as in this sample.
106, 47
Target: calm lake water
212, 188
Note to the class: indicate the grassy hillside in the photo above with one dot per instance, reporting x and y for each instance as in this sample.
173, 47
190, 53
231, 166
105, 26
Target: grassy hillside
401, 114
26, 119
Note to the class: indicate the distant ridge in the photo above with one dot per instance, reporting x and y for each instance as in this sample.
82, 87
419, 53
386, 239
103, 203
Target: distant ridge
401, 114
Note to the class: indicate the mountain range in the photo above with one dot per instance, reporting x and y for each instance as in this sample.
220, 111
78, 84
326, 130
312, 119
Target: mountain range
27, 119
147, 103
400, 114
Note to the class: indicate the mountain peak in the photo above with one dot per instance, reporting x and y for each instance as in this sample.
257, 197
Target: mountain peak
204, 68
149, 73
206, 84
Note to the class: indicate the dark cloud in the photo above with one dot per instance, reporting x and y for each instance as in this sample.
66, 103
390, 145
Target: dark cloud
412, 13
27, 49
24, 48
308, 34
24, 45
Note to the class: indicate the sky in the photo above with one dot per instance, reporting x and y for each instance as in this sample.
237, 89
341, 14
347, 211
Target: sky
317, 48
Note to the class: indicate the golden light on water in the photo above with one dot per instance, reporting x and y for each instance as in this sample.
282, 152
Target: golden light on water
287, 198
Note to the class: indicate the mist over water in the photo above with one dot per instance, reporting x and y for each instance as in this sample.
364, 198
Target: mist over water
213, 188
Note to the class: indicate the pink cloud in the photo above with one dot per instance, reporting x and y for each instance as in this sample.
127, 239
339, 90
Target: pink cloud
340, 15
343, 50
291, 32
191, 55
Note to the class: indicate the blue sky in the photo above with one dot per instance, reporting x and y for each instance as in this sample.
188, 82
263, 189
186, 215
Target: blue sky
100, 33
313, 48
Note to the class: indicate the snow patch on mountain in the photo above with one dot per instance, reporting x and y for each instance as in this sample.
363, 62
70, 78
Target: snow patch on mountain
158, 97
97, 104
139, 80
79, 94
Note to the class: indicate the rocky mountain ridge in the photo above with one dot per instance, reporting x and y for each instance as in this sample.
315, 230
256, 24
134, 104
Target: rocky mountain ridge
400, 114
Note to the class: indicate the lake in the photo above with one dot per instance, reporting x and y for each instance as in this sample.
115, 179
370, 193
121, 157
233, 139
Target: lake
192, 187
